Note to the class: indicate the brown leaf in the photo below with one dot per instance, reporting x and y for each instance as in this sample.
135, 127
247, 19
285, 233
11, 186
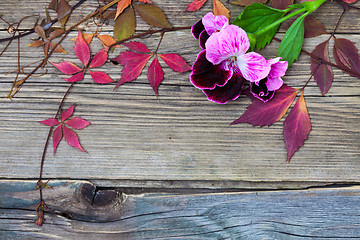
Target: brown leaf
125, 25
281, 4
153, 15
220, 9
40, 31
313, 27
247, 2
63, 11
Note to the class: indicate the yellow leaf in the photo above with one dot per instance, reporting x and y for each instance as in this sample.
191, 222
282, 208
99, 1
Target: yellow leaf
125, 25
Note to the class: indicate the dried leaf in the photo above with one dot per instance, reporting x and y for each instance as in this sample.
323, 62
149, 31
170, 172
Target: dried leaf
56, 33
175, 62
220, 9
260, 114
40, 31
125, 25
152, 15
106, 40
36, 43
195, 5
53, 5
346, 55
155, 75
137, 46
63, 11
67, 67
82, 50
71, 138
297, 127
248, 2
313, 27
281, 4
122, 4
322, 72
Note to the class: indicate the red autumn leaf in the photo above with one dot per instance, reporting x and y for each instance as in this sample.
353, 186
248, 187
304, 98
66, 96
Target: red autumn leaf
133, 68
313, 27
175, 62
322, 72
82, 50
220, 9
297, 127
75, 78
260, 114
66, 67
281, 4
346, 55
128, 56
122, 4
99, 59
50, 122
65, 115
350, 1
137, 46
71, 138
100, 77
146, 1
195, 5
77, 123
155, 74
57, 136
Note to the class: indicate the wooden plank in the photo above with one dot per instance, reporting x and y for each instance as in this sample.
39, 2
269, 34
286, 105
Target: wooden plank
304, 214
179, 137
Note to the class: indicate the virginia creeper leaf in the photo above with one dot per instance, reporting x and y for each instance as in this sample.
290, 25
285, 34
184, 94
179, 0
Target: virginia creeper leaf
146, 1
56, 33
125, 25
106, 40
346, 55
155, 74
256, 17
322, 72
99, 59
195, 5
67, 67
77, 123
220, 9
100, 77
71, 138
281, 4
137, 46
260, 114
175, 62
350, 1
50, 122
65, 115
82, 50
75, 78
133, 69
313, 27
122, 4
63, 11
57, 136
152, 15
291, 44
128, 56
40, 31
248, 2
297, 127
36, 43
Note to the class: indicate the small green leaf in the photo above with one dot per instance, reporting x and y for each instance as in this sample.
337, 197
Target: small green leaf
256, 17
290, 46
125, 24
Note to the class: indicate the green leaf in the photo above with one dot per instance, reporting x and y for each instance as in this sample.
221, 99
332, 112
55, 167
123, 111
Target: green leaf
125, 24
256, 17
290, 46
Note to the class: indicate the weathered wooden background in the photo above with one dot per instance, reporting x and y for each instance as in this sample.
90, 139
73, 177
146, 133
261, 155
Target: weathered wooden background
177, 143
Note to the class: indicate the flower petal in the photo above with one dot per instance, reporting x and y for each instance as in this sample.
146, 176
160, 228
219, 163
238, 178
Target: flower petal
214, 23
203, 38
100, 77
260, 91
57, 136
77, 123
274, 83
50, 122
66, 67
205, 75
230, 91
229, 42
77, 77
82, 50
99, 59
65, 115
197, 28
253, 66
71, 138
278, 68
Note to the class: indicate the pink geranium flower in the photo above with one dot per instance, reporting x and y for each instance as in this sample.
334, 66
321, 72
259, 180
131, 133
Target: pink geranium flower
208, 25
265, 88
222, 67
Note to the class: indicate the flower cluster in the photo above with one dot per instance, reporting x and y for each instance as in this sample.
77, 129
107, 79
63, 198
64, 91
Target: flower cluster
224, 65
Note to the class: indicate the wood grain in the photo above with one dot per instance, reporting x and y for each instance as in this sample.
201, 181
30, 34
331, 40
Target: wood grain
306, 214
179, 136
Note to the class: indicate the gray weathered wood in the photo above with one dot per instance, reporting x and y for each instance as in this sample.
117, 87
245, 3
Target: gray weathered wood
305, 214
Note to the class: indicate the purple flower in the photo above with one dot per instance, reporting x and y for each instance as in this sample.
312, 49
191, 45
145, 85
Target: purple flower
222, 67
266, 87
208, 25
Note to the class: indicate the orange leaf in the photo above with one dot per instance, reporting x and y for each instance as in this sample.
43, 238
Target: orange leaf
121, 6
87, 37
106, 40
220, 9
37, 43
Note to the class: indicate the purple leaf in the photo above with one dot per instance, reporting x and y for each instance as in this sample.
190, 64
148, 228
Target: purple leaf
346, 55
